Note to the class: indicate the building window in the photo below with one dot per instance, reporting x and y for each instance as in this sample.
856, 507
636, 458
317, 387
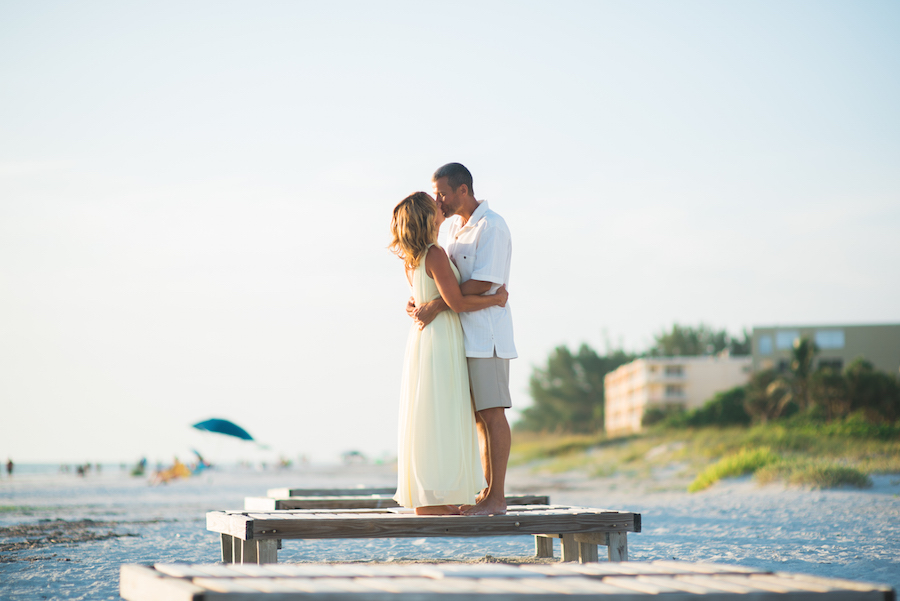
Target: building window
674, 391
827, 339
785, 339
674, 370
835, 364
765, 345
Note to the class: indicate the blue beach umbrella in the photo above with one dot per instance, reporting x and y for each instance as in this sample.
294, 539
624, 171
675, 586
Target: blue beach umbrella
223, 426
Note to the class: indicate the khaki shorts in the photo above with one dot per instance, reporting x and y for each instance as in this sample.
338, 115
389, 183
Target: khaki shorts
489, 382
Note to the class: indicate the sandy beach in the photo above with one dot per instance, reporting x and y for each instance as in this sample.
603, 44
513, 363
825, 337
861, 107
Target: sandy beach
64, 537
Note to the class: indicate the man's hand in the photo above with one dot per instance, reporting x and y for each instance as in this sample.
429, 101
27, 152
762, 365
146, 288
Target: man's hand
425, 314
502, 294
411, 307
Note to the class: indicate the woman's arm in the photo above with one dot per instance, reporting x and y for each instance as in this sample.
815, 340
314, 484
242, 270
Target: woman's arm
437, 265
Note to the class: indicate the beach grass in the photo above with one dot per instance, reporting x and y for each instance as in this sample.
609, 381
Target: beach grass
813, 473
745, 461
804, 448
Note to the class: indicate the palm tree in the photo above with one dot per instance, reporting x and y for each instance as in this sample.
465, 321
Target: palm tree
802, 357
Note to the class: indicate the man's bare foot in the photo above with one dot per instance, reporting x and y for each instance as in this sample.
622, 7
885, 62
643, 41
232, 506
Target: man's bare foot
438, 510
481, 496
486, 507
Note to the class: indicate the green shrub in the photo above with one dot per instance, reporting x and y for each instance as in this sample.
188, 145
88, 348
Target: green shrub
668, 415
743, 462
724, 409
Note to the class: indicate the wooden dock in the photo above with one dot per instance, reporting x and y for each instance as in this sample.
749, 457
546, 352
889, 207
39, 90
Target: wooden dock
364, 501
254, 537
635, 581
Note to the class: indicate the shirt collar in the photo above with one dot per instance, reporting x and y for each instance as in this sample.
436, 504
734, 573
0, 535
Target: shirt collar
477, 214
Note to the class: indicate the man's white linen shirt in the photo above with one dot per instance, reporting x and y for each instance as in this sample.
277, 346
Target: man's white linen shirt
482, 250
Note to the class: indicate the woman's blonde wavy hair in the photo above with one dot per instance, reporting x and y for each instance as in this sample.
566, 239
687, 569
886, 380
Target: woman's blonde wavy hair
413, 228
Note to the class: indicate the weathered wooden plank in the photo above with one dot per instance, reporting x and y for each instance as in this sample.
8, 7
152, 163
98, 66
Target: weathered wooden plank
255, 570
708, 568
596, 538
587, 552
768, 582
632, 583
543, 546
236, 525
283, 493
227, 547
720, 584
384, 523
179, 570
617, 546
455, 582
237, 550
570, 550
270, 586
596, 570
677, 584
314, 570
249, 551
570, 585
476, 570
267, 551
835, 582
143, 583
357, 501
224, 585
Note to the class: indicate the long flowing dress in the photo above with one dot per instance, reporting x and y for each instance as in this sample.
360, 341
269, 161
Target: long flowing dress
437, 458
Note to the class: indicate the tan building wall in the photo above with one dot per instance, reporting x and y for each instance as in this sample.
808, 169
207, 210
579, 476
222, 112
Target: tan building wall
685, 381
838, 345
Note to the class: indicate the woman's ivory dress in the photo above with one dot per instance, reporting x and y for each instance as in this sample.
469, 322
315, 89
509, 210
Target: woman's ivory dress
437, 458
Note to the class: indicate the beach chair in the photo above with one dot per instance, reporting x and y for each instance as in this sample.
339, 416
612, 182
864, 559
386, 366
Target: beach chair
637, 581
254, 536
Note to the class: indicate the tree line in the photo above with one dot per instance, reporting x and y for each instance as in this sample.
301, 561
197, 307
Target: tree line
567, 393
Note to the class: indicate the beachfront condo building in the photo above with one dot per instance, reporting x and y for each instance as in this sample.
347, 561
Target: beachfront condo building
686, 382
837, 346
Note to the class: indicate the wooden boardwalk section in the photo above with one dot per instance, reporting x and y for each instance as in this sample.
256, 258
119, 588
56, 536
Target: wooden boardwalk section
357, 501
254, 537
636, 581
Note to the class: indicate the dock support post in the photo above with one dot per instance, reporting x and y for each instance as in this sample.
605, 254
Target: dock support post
543, 546
617, 546
587, 553
227, 548
267, 551
570, 548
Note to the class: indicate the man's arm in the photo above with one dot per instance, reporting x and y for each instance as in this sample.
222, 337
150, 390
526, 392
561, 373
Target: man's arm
425, 314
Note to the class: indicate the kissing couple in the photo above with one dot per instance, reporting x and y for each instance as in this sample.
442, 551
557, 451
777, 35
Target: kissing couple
454, 437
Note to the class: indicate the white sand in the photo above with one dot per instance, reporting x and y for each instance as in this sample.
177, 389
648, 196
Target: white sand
841, 533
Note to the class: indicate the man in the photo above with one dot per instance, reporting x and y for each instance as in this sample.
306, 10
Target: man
480, 246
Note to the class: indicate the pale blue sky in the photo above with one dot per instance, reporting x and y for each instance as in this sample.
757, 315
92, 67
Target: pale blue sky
194, 197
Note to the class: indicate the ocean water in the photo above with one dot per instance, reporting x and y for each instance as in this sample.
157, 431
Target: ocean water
136, 522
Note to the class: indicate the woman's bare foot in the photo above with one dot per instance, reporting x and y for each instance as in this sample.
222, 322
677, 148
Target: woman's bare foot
438, 510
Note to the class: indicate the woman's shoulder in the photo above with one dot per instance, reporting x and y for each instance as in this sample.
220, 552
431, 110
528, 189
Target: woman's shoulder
435, 250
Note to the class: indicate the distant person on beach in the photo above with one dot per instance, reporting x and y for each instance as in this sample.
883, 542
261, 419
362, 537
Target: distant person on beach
9, 467
437, 458
480, 246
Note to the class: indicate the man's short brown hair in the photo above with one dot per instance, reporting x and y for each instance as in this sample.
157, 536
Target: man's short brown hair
456, 175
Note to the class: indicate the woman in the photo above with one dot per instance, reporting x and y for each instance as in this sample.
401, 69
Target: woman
437, 461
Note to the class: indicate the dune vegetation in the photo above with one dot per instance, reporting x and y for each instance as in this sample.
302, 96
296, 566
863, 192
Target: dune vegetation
819, 455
